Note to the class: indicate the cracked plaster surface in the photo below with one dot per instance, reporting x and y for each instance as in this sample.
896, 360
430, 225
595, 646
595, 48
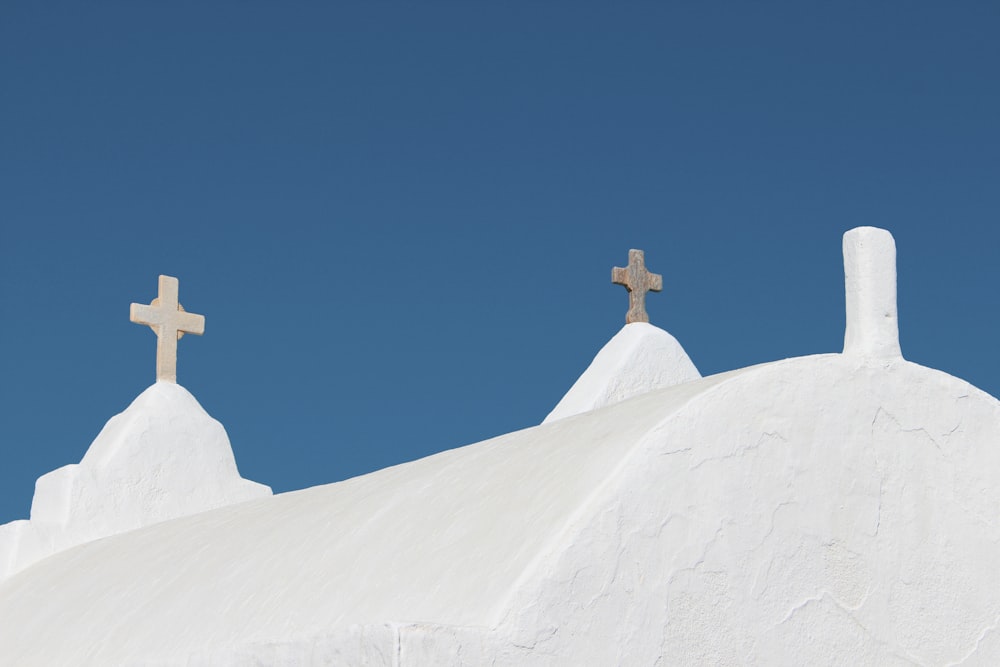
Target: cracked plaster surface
812, 511
841, 516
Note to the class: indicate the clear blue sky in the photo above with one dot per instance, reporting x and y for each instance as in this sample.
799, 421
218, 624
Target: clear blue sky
400, 218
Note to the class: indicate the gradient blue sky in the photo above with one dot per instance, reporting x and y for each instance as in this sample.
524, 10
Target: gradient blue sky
400, 218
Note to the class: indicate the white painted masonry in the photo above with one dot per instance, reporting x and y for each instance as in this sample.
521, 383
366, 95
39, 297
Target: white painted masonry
638, 359
809, 511
870, 287
829, 509
163, 457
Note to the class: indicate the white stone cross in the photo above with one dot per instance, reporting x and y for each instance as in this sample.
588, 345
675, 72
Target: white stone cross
637, 280
870, 288
167, 318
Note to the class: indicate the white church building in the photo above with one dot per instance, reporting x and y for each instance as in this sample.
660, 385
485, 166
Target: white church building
834, 509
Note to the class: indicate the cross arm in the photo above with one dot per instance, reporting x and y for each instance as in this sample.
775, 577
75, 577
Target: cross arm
141, 313
619, 276
190, 323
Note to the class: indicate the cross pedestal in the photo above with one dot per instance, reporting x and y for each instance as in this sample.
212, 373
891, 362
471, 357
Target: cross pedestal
870, 287
167, 318
637, 280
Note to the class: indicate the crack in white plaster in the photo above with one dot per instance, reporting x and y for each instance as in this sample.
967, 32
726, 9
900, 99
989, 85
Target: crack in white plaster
542, 636
982, 635
698, 563
976, 515
682, 450
919, 429
770, 530
849, 614
766, 436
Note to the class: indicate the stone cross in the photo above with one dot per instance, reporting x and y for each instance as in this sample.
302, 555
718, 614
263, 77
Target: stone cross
637, 280
870, 288
167, 318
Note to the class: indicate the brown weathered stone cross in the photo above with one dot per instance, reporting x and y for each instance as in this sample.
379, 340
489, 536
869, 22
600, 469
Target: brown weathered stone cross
637, 280
167, 318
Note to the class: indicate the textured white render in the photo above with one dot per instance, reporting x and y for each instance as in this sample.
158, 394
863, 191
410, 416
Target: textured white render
811, 511
163, 457
638, 359
870, 287
831, 509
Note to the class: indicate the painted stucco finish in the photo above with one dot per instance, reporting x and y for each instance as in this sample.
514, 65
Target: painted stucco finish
820, 510
639, 358
813, 511
833, 509
162, 458
872, 329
